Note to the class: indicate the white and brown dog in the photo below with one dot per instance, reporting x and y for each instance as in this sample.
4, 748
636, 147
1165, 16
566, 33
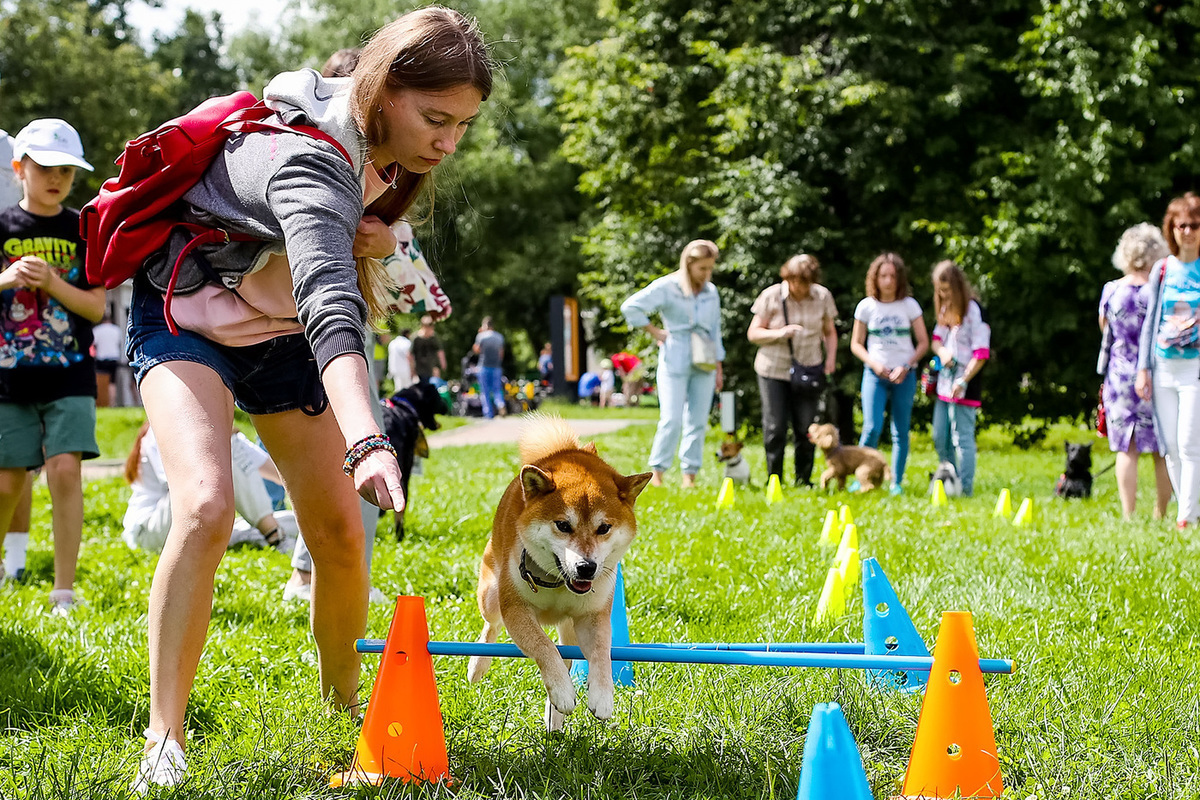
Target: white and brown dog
560, 530
736, 467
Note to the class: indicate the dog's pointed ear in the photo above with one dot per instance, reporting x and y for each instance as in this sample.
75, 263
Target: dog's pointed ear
630, 486
535, 482
590, 447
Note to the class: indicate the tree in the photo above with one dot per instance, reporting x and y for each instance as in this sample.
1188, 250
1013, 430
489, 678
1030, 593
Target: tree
68, 59
194, 55
1006, 135
503, 229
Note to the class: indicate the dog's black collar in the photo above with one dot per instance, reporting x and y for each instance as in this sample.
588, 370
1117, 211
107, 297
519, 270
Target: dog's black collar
735, 462
533, 580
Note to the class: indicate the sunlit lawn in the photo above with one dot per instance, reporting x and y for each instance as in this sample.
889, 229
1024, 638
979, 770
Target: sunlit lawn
1100, 614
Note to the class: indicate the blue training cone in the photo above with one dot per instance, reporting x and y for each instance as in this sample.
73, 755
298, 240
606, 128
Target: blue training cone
622, 671
888, 630
832, 767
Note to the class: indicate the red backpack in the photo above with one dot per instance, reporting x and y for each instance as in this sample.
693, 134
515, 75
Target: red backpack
135, 213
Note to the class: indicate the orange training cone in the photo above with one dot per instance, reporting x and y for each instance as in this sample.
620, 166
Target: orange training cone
402, 735
955, 748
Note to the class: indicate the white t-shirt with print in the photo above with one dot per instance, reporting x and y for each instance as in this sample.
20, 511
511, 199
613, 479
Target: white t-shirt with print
889, 329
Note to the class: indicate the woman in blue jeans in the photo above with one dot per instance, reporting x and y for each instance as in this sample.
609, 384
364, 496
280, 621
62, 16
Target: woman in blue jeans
889, 337
962, 339
689, 361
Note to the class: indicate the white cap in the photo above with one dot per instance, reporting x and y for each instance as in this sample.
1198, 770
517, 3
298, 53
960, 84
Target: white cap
50, 143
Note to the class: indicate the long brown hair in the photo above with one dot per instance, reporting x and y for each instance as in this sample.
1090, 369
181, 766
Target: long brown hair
433, 49
952, 312
133, 462
902, 290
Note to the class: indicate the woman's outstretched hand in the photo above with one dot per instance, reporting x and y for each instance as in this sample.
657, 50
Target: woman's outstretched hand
377, 479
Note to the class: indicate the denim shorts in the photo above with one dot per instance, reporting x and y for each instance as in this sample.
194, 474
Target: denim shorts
277, 375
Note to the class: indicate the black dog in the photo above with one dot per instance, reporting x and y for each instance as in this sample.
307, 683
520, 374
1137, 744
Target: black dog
405, 416
1076, 481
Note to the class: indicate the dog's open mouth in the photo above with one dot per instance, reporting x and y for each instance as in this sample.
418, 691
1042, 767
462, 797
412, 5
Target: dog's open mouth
575, 585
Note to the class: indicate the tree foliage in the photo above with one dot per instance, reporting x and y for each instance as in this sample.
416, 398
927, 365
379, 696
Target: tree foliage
502, 231
79, 62
1017, 137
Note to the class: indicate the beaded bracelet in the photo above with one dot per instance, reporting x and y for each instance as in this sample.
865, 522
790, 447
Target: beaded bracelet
363, 448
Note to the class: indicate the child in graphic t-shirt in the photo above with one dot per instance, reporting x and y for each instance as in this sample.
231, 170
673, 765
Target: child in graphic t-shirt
47, 308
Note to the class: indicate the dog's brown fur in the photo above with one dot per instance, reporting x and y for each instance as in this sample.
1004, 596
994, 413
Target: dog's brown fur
570, 515
865, 463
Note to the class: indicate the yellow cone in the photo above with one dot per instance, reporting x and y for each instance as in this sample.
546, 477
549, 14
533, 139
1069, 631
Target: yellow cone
1004, 505
1024, 517
832, 604
725, 498
844, 516
774, 493
830, 530
849, 541
848, 568
938, 498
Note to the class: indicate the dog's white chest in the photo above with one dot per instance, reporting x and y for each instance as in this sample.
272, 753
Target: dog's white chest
739, 471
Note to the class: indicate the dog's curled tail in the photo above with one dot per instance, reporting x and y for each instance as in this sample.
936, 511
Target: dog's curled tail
543, 436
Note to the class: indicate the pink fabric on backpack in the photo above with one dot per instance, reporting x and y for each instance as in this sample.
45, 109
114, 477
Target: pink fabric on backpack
263, 307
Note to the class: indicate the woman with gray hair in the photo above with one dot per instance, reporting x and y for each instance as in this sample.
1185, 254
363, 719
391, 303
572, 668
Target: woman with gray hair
1130, 419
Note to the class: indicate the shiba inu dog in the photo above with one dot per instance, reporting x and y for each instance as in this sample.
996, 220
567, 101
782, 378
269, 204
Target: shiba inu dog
736, 468
561, 528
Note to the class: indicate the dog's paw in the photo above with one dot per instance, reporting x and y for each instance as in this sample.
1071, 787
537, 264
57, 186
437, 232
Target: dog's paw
561, 692
477, 667
600, 702
553, 718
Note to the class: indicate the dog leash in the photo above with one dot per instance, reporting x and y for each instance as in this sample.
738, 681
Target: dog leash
1106, 469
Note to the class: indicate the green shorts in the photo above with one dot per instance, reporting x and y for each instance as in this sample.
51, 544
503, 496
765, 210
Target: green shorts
32, 432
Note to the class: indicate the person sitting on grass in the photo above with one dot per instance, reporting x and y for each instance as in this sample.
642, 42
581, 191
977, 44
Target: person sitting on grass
148, 517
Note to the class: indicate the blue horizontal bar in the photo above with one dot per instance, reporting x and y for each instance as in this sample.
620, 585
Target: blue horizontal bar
850, 648
652, 654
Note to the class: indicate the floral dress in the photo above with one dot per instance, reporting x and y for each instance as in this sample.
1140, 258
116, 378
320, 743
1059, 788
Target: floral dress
1130, 419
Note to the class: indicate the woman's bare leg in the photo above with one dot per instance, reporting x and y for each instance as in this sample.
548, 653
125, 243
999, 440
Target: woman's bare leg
1127, 466
191, 413
1162, 486
308, 452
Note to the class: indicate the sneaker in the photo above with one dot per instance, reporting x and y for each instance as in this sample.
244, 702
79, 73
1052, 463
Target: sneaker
163, 765
62, 602
896, 490
297, 591
376, 596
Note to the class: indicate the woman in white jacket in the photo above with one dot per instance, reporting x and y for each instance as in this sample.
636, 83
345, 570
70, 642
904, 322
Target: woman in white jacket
689, 360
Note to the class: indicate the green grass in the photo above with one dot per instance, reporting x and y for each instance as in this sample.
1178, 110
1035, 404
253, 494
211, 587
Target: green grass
1100, 614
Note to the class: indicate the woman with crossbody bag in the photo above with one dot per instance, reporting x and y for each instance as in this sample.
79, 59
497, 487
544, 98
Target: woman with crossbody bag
1169, 353
793, 327
690, 356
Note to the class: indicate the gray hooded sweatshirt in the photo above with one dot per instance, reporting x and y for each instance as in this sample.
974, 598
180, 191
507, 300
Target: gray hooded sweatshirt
299, 196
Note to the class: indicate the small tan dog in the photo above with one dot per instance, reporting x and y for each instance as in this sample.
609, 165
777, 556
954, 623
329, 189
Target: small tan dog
865, 463
561, 528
